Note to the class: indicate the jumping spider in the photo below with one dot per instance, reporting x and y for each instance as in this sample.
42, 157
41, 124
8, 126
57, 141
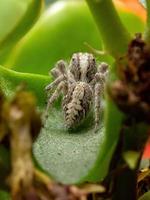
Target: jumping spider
82, 84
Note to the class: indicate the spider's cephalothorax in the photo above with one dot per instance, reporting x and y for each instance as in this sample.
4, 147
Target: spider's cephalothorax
82, 84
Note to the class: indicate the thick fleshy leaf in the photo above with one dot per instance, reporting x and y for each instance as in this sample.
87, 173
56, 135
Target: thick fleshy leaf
58, 34
69, 157
131, 158
11, 12
26, 21
9, 80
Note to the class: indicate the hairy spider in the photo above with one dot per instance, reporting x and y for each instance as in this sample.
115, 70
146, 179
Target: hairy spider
82, 84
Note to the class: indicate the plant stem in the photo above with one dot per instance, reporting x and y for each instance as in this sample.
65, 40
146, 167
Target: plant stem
133, 138
147, 30
113, 33
126, 185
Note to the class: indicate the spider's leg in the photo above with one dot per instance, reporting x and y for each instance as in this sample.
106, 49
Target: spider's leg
54, 96
59, 69
100, 79
54, 83
68, 76
55, 72
97, 104
61, 65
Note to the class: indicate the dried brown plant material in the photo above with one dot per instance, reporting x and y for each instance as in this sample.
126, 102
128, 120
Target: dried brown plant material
143, 174
19, 114
131, 92
71, 192
143, 181
49, 189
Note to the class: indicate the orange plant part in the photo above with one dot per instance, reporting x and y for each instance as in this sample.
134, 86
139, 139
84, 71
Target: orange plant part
146, 154
133, 6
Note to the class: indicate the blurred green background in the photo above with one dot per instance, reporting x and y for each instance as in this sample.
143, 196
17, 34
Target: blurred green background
49, 1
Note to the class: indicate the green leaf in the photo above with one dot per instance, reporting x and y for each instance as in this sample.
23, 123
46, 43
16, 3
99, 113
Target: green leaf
57, 35
132, 22
9, 80
69, 157
27, 20
76, 157
131, 158
104, 14
146, 196
11, 12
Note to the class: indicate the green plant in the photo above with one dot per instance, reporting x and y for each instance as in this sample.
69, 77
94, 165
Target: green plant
93, 157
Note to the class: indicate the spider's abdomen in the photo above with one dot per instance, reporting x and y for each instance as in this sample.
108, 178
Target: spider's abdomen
76, 104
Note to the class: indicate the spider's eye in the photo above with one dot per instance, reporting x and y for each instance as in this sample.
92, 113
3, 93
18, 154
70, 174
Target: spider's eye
73, 59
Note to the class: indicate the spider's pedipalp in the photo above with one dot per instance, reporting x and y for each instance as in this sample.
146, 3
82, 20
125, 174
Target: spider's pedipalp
61, 65
59, 69
55, 72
